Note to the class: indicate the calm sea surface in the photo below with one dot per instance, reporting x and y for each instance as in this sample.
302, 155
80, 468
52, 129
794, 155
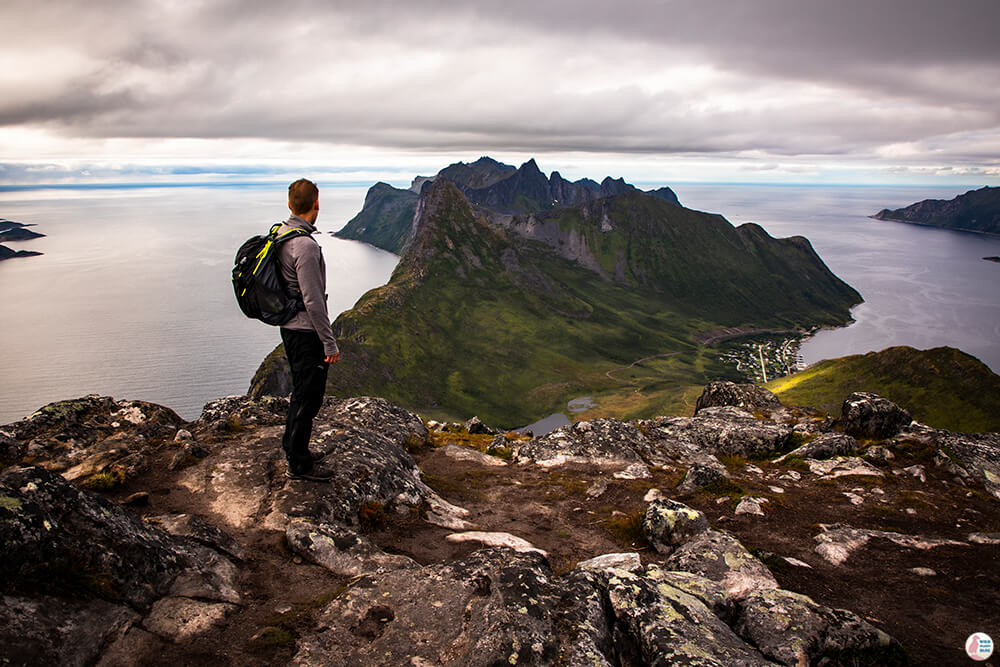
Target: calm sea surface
923, 287
132, 297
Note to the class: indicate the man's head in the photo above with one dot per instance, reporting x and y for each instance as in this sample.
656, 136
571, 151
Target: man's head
303, 199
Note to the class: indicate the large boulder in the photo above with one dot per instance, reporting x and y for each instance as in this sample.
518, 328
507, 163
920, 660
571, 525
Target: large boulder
719, 556
793, 630
866, 415
720, 430
91, 436
749, 397
823, 447
604, 442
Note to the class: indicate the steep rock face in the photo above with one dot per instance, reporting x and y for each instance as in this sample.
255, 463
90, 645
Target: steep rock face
976, 210
384, 221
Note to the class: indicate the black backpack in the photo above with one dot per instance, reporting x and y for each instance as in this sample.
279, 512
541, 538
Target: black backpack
260, 289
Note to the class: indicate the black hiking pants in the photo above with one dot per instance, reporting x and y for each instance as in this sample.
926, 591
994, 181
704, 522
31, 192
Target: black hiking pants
304, 350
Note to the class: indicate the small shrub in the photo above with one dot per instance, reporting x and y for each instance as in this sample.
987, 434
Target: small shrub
724, 487
627, 529
371, 515
796, 463
105, 481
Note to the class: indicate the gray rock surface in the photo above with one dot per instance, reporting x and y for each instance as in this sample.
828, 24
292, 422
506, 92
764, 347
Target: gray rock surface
342, 551
719, 556
866, 415
721, 430
749, 397
823, 447
606, 442
793, 630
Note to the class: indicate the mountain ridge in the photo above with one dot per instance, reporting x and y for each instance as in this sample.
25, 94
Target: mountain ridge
545, 304
974, 211
383, 222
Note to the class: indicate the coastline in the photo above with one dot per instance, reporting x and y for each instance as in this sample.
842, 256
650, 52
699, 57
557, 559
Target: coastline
934, 226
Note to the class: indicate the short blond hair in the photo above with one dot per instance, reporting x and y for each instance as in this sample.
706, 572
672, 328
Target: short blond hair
302, 196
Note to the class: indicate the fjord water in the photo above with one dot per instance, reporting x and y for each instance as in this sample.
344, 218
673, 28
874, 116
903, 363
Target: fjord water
923, 286
132, 297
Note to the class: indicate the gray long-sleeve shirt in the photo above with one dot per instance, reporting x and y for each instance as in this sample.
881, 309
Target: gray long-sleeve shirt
304, 270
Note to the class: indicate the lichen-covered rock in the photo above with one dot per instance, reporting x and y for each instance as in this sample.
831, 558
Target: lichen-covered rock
720, 557
342, 551
749, 397
720, 430
823, 447
668, 524
93, 435
866, 415
793, 630
711, 593
979, 454
669, 626
495, 606
48, 630
233, 413
605, 442
377, 415
56, 538
704, 470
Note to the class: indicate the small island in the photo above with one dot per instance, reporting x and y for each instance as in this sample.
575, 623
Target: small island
11, 231
974, 211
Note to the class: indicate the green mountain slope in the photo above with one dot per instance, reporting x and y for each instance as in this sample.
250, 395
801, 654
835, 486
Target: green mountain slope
386, 219
976, 210
509, 322
943, 387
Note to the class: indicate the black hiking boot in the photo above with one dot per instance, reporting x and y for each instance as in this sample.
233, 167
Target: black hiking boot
309, 472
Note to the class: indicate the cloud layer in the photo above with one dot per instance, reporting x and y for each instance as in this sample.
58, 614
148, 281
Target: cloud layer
898, 83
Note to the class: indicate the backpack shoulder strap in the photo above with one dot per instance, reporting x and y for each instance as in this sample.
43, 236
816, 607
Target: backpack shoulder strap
290, 234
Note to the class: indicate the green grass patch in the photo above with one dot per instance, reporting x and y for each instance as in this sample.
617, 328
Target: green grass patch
626, 529
942, 387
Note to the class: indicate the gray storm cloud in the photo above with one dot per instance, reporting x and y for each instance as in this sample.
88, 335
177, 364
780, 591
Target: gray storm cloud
781, 77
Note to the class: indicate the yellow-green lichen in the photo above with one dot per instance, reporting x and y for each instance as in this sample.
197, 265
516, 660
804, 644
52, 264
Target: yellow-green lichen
11, 504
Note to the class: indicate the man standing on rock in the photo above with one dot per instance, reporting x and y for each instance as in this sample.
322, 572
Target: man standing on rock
309, 342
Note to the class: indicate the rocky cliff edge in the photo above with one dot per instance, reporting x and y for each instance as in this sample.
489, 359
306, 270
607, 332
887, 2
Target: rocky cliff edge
752, 533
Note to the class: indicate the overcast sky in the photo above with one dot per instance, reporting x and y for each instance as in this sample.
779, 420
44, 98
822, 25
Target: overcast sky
786, 90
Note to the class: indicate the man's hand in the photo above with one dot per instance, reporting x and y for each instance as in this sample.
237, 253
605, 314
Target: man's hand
333, 358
